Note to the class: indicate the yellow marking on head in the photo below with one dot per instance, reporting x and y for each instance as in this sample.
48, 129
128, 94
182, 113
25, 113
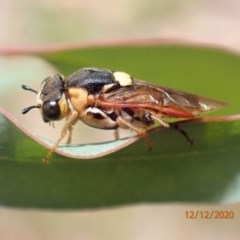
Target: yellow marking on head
63, 105
123, 78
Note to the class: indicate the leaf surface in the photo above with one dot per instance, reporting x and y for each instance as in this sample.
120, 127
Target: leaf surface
172, 171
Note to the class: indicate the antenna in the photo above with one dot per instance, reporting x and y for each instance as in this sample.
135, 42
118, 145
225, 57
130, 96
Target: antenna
27, 109
25, 87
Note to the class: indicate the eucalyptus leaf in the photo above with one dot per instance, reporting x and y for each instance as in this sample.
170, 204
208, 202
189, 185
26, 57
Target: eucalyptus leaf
120, 172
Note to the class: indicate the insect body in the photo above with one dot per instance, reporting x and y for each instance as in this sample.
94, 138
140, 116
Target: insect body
108, 100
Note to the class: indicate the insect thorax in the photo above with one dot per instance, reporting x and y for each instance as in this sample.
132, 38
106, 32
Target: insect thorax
95, 79
90, 83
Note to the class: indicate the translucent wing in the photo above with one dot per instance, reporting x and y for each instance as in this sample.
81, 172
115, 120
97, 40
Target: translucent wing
165, 101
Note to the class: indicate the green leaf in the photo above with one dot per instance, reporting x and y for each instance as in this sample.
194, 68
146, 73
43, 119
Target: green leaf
172, 171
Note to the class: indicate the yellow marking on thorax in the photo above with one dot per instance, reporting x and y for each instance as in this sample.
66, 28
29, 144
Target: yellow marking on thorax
123, 78
78, 98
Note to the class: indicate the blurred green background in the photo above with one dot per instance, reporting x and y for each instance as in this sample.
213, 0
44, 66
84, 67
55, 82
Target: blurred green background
30, 23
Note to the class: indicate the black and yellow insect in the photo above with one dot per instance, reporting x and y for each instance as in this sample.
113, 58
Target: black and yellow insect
111, 99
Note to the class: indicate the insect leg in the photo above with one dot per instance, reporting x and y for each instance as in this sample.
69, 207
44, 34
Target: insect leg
66, 128
69, 139
70, 129
160, 120
175, 126
116, 134
125, 124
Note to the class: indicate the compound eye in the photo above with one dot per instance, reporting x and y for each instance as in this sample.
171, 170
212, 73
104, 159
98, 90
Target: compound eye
50, 111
